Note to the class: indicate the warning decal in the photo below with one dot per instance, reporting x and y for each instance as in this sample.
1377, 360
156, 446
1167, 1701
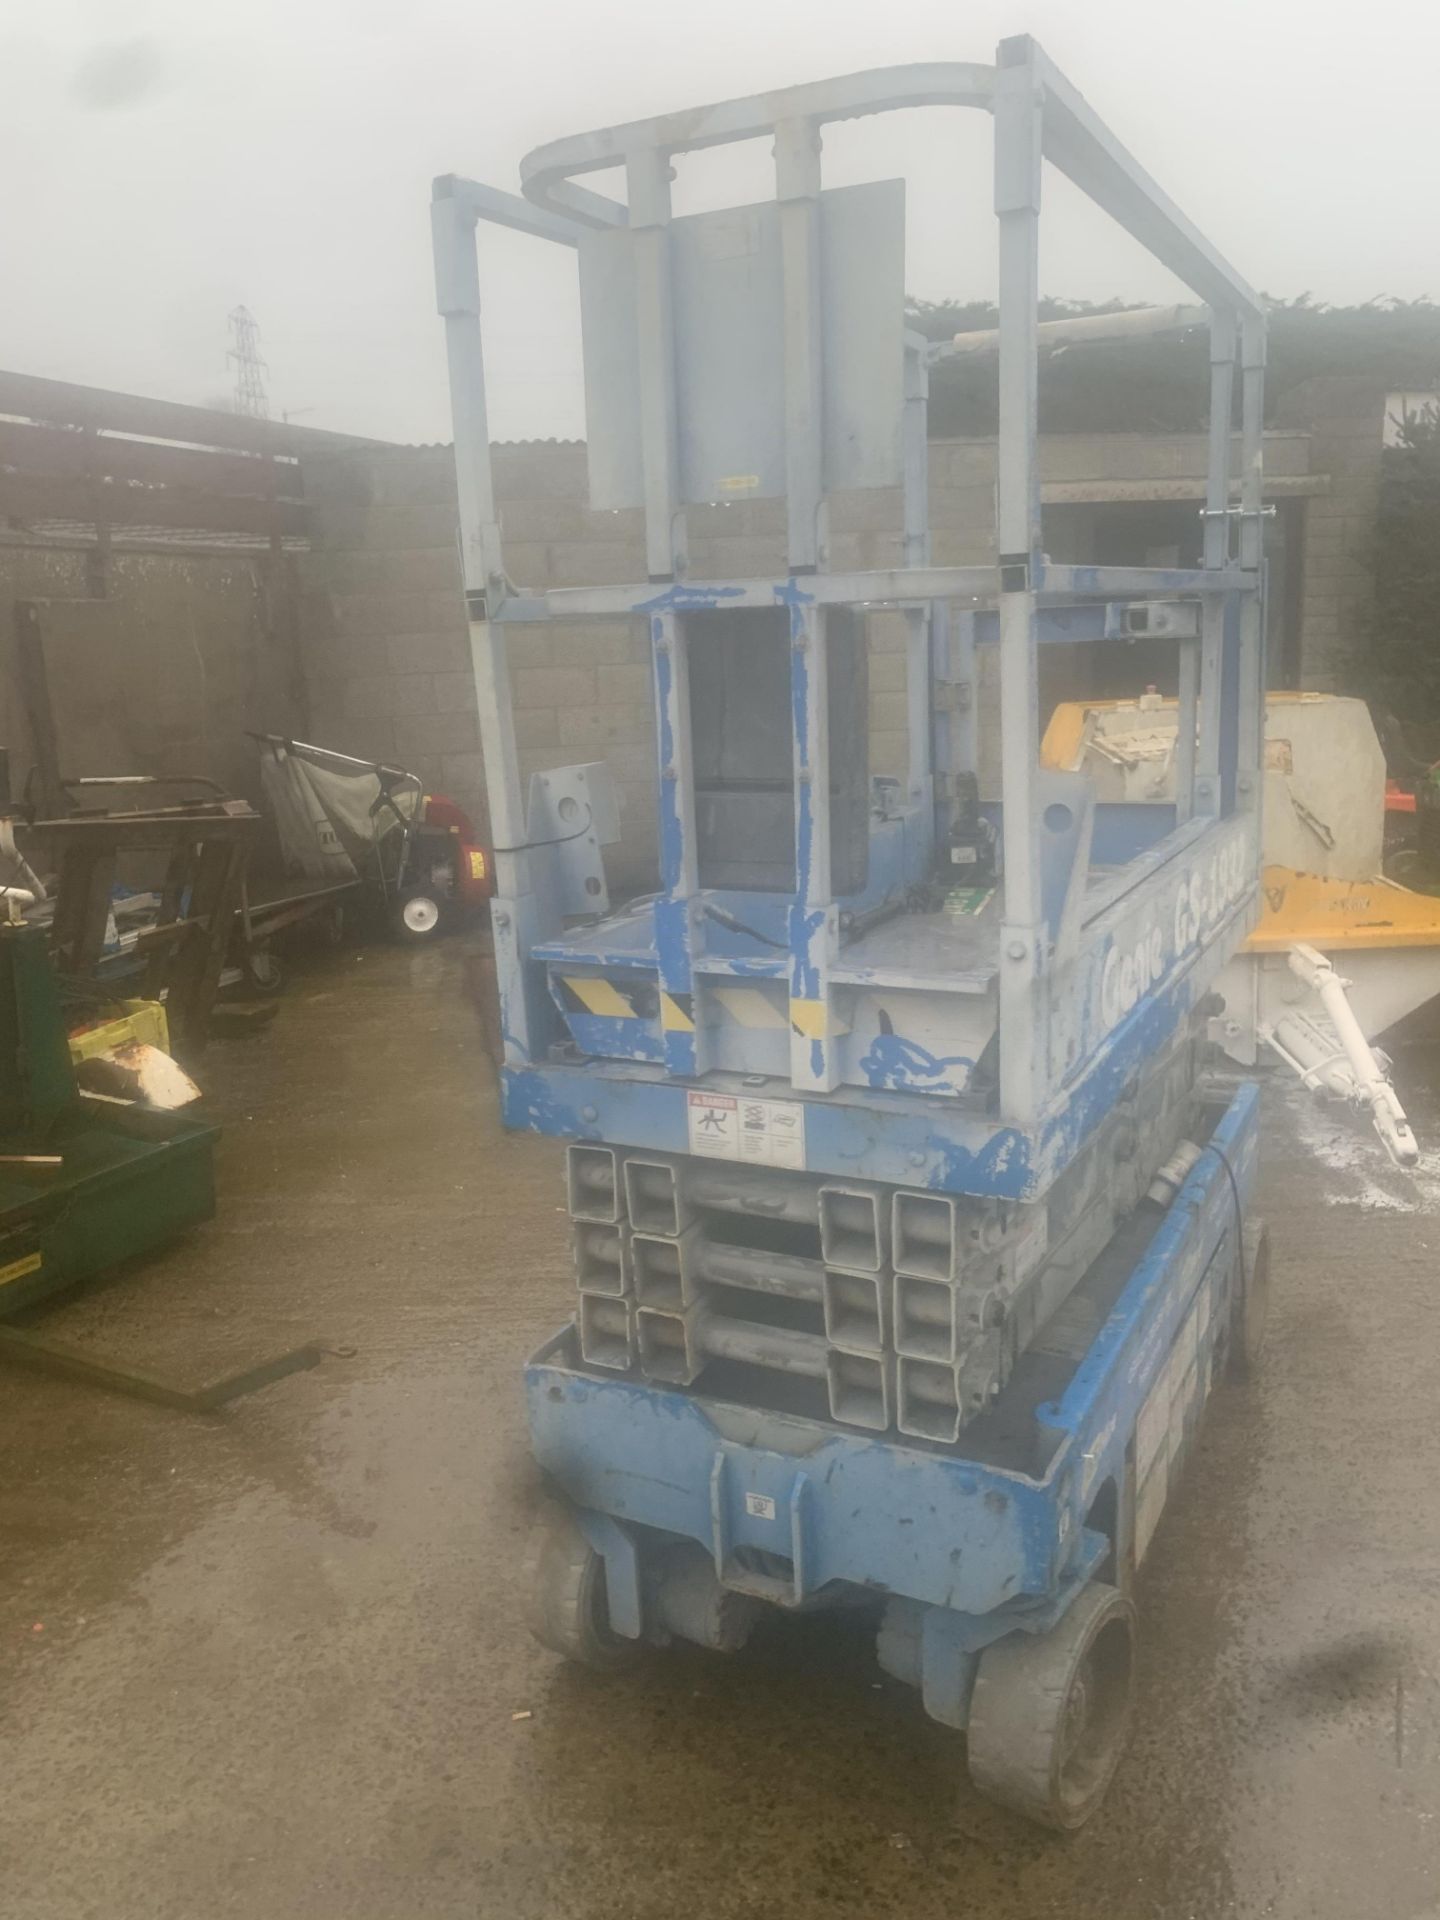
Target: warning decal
767, 1133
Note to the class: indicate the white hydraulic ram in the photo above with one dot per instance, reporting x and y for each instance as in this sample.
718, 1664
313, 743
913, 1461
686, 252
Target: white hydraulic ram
1339, 1058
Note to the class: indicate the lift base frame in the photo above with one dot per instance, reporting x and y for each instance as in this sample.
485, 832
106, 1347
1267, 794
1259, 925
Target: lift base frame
963, 1548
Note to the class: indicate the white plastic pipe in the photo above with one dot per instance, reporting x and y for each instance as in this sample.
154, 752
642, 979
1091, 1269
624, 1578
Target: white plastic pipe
31, 887
1084, 330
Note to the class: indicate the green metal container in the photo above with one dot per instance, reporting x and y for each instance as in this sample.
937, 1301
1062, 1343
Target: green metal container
128, 1180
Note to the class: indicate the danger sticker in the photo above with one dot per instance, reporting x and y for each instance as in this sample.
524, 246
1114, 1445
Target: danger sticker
766, 1133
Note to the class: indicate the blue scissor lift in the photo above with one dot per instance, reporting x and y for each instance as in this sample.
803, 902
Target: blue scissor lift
908, 1233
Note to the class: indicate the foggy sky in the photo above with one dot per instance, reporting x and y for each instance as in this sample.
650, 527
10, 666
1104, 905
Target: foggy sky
163, 160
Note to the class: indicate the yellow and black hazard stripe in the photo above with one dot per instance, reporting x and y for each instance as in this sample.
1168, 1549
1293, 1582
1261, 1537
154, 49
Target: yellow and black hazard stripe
749, 1007
677, 1012
817, 1020
594, 993
762, 1012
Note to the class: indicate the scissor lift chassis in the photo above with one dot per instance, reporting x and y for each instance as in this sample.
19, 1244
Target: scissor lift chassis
901, 1057
959, 1554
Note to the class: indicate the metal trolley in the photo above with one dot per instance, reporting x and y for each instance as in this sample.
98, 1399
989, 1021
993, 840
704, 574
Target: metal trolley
908, 1232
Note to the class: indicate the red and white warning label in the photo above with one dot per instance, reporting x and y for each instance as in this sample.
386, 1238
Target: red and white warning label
767, 1133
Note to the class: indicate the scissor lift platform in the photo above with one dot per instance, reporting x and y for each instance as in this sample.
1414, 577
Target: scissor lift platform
870, 1102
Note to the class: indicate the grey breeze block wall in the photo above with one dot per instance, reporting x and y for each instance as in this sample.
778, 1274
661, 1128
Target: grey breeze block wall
383, 633
385, 647
1344, 416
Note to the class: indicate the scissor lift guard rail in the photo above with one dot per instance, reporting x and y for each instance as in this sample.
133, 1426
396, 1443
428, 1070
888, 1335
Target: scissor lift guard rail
907, 1232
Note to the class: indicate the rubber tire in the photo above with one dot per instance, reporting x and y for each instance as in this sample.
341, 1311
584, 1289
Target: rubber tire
417, 936
1020, 1708
565, 1585
1250, 1313
264, 974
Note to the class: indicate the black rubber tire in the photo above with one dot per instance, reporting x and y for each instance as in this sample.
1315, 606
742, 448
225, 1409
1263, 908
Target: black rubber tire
264, 974
1250, 1308
565, 1585
1050, 1713
417, 916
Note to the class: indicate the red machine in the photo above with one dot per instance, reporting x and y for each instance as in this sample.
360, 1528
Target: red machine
346, 822
444, 869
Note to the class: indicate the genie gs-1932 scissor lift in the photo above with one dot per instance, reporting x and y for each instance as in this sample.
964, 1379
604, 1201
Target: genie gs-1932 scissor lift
908, 1236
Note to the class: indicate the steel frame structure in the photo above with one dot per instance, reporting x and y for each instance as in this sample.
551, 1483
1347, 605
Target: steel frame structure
1092, 979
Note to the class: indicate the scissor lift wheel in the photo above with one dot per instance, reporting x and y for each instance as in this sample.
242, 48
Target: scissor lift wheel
565, 1581
1050, 1713
1251, 1312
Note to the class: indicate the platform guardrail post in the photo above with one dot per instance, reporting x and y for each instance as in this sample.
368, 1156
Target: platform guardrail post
1023, 1047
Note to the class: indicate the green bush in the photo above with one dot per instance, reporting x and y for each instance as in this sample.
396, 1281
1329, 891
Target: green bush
1398, 663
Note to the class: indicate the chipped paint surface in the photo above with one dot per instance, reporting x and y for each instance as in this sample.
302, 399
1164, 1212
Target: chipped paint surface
894, 1061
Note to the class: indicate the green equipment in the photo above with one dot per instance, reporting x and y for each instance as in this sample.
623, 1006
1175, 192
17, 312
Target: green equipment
86, 1180
84, 1183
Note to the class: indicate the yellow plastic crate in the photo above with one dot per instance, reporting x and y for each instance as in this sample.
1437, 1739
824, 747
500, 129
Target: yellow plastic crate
142, 1020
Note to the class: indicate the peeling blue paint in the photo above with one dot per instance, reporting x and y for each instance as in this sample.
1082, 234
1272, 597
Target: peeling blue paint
601, 1439
530, 1101
895, 1062
1143, 1035
806, 922
800, 722
1001, 1167
581, 953
747, 969
683, 597
610, 1037
1085, 579
672, 944
790, 593
672, 832
672, 910
804, 974
882, 1135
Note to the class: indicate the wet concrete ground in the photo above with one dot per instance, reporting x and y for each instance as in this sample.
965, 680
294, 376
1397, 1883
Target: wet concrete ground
265, 1664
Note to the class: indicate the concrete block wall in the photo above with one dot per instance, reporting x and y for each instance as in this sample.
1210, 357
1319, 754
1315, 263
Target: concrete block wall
1345, 420
384, 640
384, 643
385, 649
584, 691
581, 691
